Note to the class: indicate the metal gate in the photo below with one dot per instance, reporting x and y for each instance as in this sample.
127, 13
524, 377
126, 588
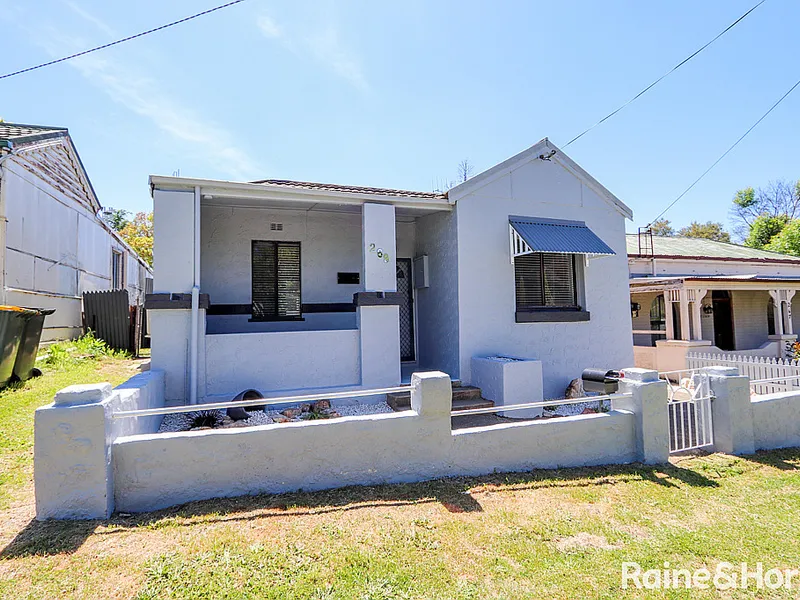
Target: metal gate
406, 292
689, 409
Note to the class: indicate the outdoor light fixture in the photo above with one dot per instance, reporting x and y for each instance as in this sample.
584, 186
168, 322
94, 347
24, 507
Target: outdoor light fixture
635, 308
707, 309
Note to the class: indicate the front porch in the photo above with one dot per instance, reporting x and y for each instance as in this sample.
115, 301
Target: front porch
673, 316
298, 290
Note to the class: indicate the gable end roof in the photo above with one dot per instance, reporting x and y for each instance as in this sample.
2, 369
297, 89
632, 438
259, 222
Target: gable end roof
542, 148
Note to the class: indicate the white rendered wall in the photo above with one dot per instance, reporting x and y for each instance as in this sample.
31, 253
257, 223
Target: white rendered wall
173, 241
379, 345
486, 277
170, 333
271, 362
156, 471
437, 305
378, 239
329, 243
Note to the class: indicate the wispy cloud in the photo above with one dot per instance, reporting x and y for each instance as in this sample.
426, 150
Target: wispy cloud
143, 95
323, 45
99, 24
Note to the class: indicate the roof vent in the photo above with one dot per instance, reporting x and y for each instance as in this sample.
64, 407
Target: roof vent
276, 226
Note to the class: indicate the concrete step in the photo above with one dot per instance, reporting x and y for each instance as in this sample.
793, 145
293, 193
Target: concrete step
464, 397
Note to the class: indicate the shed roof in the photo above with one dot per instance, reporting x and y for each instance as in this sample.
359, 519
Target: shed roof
683, 247
19, 133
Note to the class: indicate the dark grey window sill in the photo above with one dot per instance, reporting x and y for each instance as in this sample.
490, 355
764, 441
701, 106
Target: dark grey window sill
273, 319
551, 316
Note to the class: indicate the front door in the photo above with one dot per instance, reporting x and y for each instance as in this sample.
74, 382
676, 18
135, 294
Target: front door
406, 292
723, 320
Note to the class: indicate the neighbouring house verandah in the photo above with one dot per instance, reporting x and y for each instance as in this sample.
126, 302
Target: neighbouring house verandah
298, 288
673, 316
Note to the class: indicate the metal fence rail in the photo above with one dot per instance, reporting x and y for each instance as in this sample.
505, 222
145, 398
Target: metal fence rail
168, 410
527, 405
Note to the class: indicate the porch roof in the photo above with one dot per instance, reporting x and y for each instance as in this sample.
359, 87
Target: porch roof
303, 195
721, 282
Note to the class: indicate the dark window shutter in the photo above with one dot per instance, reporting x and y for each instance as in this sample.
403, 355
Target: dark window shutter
528, 275
559, 279
289, 280
545, 281
276, 279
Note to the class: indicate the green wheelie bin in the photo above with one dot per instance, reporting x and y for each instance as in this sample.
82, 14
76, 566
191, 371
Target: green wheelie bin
12, 325
25, 365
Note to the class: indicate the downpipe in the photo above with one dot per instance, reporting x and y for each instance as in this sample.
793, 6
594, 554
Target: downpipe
195, 330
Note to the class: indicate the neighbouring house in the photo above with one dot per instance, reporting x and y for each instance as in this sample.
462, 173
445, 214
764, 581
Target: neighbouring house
54, 245
698, 295
295, 287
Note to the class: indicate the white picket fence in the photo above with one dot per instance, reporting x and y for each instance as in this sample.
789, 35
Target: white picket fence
767, 375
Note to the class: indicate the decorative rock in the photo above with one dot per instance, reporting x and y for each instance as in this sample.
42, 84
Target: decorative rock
305, 407
574, 390
281, 419
321, 406
291, 412
333, 415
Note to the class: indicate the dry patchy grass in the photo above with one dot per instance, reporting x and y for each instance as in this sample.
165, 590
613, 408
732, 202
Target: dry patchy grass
542, 534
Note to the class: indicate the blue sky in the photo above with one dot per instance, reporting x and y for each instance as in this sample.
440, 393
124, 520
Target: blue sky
396, 94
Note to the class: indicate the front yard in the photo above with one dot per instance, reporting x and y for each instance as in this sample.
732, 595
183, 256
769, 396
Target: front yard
549, 534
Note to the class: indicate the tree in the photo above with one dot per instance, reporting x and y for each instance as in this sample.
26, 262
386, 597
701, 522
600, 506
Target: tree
117, 218
788, 240
776, 199
710, 231
465, 170
138, 233
662, 227
764, 229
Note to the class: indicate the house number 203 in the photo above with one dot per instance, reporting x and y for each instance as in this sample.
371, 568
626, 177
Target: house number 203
384, 256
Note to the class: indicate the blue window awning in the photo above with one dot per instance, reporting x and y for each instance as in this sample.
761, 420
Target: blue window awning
529, 235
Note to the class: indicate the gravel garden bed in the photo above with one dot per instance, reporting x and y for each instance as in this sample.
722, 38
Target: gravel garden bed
218, 419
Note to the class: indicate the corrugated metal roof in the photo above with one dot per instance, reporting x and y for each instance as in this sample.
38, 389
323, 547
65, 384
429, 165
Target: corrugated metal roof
555, 235
352, 189
702, 248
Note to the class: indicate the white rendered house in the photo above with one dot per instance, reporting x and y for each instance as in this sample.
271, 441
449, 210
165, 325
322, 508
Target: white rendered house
293, 287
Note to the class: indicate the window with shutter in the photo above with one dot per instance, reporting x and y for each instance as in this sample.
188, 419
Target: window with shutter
276, 280
546, 283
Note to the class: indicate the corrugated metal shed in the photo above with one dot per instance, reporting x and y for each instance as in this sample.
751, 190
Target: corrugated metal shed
559, 236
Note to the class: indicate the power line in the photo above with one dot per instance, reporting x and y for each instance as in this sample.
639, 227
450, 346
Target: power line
127, 39
724, 154
672, 70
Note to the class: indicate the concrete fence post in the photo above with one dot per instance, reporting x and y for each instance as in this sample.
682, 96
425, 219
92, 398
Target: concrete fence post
72, 455
731, 411
432, 398
648, 402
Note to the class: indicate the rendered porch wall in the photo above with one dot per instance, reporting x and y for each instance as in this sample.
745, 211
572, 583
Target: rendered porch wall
156, 471
437, 305
776, 421
329, 243
486, 288
277, 361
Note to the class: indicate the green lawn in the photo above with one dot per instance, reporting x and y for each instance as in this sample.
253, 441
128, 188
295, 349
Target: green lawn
543, 534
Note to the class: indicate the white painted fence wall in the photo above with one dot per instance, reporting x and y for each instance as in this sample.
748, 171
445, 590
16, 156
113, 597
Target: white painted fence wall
756, 368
